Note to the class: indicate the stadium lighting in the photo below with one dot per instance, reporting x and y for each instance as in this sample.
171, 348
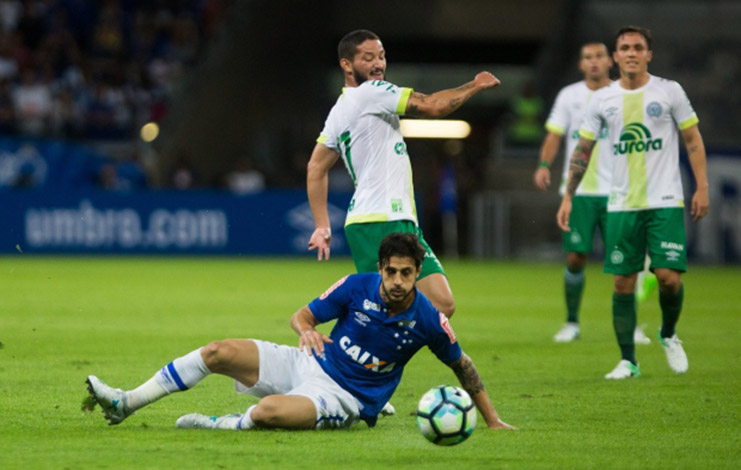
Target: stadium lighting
149, 131
435, 129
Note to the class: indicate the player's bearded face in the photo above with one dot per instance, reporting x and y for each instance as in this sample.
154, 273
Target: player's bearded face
399, 277
370, 62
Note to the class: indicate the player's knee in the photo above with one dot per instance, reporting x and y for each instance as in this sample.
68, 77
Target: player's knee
445, 304
217, 354
669, 281
576, 261
267, 413
625, 284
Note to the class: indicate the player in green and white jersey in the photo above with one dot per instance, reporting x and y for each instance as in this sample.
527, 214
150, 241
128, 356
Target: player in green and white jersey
590, 201
363, 129
644, 115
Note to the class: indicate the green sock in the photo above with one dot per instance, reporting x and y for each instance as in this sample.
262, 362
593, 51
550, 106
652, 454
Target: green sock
671, 307
624, 322
573, 282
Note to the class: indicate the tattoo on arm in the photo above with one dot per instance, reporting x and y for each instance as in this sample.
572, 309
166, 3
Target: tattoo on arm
455, 103
578, 165
412, 108
468, 375
692, 148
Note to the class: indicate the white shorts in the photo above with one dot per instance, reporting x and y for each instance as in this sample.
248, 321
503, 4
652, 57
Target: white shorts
285, 370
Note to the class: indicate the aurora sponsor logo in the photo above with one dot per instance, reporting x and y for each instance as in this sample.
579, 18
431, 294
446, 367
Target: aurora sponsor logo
635, 137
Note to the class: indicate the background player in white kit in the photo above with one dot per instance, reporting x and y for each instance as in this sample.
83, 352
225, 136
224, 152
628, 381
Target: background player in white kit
363, 129
589, 210
646, 207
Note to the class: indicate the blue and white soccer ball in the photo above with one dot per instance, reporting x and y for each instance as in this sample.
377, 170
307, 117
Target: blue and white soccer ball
446, 415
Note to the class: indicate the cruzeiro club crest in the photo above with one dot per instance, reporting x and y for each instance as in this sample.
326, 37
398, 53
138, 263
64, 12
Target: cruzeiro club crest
635, 137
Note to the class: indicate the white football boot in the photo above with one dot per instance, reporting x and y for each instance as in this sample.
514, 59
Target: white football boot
625, 369
199, 421
112, 401
675, 355
388, 409
568, 333
639, 337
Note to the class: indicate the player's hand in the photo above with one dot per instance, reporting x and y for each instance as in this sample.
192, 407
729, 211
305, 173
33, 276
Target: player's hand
542, 178
320, 241
499, 424
563, 214
312, 342
484, 80
700, 204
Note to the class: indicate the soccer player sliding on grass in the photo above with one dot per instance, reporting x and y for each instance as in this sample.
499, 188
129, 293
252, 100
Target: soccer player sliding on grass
325, 382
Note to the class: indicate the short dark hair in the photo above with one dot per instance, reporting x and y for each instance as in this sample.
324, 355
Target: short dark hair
645, 32
348, 46
403, 245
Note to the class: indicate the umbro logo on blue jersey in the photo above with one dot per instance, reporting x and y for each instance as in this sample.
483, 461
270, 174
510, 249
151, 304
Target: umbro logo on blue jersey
362, 318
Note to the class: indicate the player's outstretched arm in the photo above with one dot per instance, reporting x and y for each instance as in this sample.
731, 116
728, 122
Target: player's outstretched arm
548, 151
317, 182
304, 323
444, 102
698, 162
469, 378
577, 168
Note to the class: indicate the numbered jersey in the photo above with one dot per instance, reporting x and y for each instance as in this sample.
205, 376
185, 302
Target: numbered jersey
565, 118
363, 126
642, 130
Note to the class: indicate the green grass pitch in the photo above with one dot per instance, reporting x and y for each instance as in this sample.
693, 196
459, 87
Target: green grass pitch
122, 319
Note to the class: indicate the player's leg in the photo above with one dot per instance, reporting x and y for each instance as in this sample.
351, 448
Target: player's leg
669, 260
586, 215
295, 393
624, 257
235, 358
432, 281
436, 288
573, 283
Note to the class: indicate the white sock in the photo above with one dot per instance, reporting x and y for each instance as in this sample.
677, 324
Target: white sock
182, 373
179, 375
146, 393
246, 421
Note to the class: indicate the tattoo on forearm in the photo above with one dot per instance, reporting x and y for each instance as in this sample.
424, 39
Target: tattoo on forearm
468, 375
455, 103
578, 166
692, 148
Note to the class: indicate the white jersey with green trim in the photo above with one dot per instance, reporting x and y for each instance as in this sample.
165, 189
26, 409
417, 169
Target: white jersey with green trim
643, 132
566, 116
363, 126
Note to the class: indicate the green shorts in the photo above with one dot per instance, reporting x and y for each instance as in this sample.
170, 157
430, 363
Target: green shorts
364, 240
587, 213
632, 234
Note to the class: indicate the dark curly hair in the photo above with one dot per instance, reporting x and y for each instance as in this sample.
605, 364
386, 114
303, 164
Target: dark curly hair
403, 245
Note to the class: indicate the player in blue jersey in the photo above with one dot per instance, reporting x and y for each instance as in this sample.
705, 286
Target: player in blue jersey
327, 381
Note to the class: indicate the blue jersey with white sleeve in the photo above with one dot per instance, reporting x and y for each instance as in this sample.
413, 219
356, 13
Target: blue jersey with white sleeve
369, 348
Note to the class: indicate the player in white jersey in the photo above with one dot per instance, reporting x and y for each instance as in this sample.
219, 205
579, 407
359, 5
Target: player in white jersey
644, 115
590, 202
363, 129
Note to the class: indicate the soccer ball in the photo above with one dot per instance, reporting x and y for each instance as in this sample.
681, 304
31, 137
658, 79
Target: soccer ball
446, 415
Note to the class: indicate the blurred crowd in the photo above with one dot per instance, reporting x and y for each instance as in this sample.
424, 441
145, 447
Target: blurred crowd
95, 69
